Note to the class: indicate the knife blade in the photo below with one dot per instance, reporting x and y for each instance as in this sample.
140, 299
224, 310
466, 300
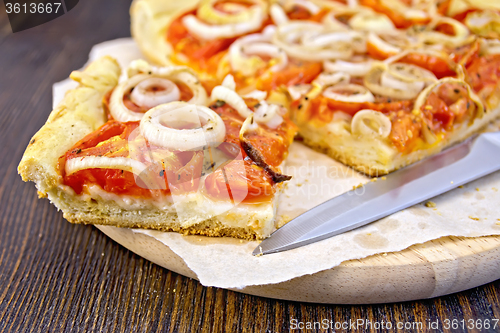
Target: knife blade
401, 189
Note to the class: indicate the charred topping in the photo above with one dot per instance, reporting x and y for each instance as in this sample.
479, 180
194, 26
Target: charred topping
32, 141
258, 159
219, 103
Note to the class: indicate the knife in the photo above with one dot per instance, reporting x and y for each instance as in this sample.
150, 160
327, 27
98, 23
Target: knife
458, 165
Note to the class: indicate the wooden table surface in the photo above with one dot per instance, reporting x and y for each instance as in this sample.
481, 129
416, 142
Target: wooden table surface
55, 276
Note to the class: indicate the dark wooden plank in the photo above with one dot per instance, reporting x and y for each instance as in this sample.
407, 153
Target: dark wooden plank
58, 277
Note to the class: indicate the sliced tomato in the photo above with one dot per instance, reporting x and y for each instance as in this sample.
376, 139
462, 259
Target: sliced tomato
203, 55
451, 92
295, 72
298, 12
103, 133
466, 54
399, 20
447, 105
240, 181
376, 53
187, 177
484, 71
271, 143
463, 15
405, 130
323, 108
166, 170
443, 6
439, 110
198, 51
437, 65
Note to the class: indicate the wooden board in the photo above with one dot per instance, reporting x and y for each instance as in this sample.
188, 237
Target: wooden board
432, 269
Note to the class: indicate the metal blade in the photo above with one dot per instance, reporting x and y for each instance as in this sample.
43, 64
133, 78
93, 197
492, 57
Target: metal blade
404, 188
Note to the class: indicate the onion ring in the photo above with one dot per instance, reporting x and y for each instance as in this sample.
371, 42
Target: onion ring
102, 162
312, 41
140, 71
268, 114
371, 21
228, 95
371, 123
244, 53
351, 68
398, 80
210, 129
213, 24
484, 23
298, 90
144, 94
430, 36
209, 14
359, 94
329, 79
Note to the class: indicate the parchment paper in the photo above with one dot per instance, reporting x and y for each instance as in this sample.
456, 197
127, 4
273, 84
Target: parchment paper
470, 211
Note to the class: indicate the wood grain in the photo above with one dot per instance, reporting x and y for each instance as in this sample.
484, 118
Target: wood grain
58, 277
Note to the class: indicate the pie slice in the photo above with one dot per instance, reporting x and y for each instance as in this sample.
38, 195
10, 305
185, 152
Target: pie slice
154, 151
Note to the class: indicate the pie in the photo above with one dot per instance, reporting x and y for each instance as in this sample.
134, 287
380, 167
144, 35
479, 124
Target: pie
196, 142
375, 84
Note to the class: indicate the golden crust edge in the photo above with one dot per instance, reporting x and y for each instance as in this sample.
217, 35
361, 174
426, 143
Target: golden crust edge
258, 222
149, 20
210, 227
